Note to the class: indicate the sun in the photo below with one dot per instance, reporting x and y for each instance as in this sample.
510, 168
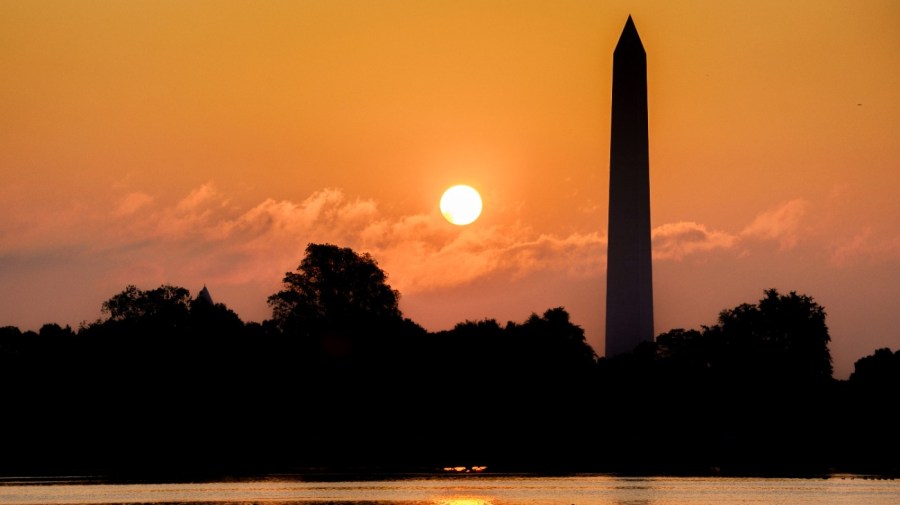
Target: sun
461, 205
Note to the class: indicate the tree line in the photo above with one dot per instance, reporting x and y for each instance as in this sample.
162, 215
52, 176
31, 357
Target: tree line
166, 385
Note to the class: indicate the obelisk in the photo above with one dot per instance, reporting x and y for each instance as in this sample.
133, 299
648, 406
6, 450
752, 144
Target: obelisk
629, 277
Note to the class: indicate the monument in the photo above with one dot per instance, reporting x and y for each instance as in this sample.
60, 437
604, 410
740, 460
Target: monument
629, 277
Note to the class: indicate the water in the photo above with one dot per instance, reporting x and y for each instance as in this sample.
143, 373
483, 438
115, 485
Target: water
474, 490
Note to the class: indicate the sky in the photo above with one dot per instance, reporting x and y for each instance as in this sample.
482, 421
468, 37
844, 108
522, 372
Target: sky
207, 143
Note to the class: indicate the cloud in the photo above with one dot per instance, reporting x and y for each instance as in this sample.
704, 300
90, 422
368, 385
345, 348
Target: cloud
865, 246
420, 252
676, 240
781, 224
433, 260
204, 237
131, 203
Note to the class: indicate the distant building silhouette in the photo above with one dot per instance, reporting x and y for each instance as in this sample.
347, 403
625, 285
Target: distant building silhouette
204, 296
629, 277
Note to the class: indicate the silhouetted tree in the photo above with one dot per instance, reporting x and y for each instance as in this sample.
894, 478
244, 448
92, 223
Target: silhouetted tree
554, 342
165, 380
680, 345
335, 291
880, 370
762, 375
11, 342
168, 305
55, 332
686, 354
782, 338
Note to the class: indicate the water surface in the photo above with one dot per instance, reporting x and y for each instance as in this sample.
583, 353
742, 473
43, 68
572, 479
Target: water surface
475, 490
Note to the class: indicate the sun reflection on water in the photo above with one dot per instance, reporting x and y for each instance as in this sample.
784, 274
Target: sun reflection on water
465, 469
467, 500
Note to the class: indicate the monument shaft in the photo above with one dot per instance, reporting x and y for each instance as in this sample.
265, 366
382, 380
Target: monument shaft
629, 282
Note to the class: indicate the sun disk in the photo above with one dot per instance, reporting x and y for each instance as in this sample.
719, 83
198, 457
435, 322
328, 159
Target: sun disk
461, 205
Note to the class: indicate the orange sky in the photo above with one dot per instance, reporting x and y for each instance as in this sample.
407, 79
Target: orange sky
194, 143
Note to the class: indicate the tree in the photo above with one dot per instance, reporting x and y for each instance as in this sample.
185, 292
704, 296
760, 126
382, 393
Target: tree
11, 344
782, 338
554, 340
335, 290
163, 304
688, 354
148, 325
881, 370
